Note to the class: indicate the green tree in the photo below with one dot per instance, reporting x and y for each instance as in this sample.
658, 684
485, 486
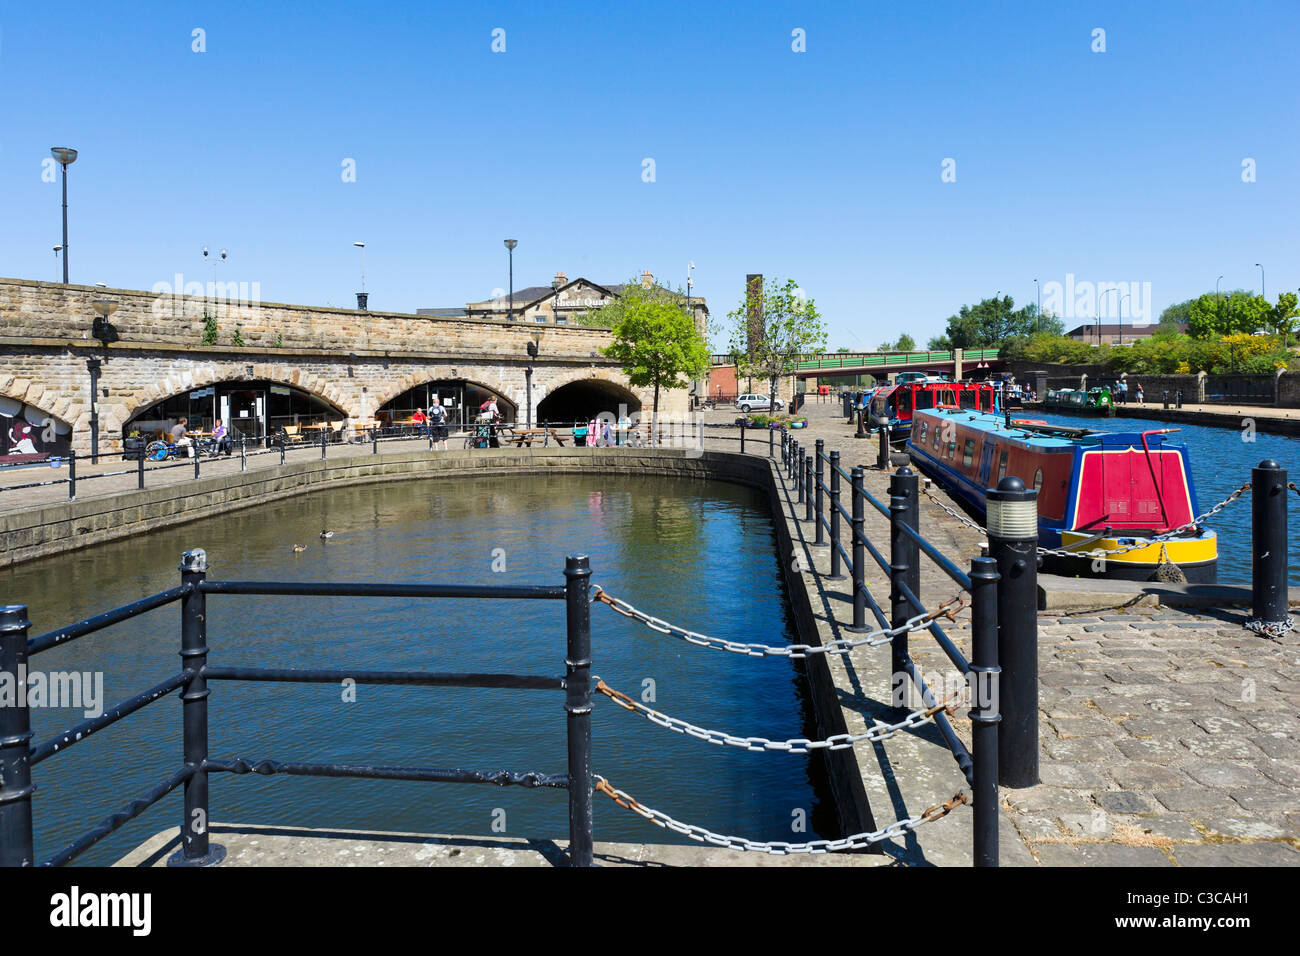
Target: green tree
1214, 316
991, 322
656, 342
1282, 317
788, 325
905, 343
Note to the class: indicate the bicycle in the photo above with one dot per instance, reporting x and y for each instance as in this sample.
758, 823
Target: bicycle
159, 450
484, 433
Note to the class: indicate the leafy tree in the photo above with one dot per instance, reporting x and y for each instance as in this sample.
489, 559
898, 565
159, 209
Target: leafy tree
905, 343
939, 343
991, 322
1212, 316
656, 342
1282, 318
788, 326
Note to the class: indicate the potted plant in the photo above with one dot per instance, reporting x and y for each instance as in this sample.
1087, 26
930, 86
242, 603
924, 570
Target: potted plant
800, 422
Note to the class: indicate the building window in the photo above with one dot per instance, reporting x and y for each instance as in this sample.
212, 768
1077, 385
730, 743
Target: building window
540, 317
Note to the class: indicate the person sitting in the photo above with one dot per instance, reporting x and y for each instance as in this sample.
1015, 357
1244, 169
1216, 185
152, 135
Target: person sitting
221, 438
180, 439
421, 423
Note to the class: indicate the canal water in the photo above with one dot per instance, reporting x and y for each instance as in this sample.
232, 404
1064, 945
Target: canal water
1221, 463
699, 554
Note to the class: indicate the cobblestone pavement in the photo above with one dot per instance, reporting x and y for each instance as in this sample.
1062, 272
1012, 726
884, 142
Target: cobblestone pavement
1167, 736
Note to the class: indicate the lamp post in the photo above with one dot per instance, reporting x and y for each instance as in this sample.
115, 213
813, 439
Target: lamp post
1218, 301
57, 250
212, 259
533, 347
555, 308
1262, 293
65, 156
99, 329
1120, 317
510, 246
363, 299
1039, 315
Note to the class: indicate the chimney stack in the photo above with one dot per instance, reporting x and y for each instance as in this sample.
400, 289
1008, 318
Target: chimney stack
561, 279
753, 297
647, 279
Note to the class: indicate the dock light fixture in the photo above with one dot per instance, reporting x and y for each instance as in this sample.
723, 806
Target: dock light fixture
65, 156
363, 298
1012, 510
510, 247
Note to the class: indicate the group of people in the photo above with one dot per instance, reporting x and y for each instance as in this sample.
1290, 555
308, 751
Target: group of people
1120, 393
220, 437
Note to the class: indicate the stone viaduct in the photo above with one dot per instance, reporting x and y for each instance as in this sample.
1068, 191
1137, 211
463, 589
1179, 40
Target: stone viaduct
354, 360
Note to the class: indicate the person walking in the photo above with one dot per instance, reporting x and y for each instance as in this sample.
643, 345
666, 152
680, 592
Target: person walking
1140, 399
438, 424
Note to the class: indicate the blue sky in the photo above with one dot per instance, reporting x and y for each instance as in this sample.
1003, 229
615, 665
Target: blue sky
1122, 166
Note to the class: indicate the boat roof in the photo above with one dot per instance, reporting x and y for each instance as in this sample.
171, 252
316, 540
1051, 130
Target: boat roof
1031, 436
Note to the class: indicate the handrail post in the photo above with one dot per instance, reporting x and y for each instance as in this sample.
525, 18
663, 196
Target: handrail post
904, 567
771, 442
808, 486
243, 454
742, 438
16, 788
72, 474
1268, 535
859, 553
280, 442
983, 686
139, 469
819, 480
836, 573
195, 848
374, 441
323, 432
197, 458
577, 705
1012, 520
799, 467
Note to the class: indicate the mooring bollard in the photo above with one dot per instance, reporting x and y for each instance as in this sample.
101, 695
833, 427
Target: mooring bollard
861, 432
1166, 398
983, 683
197, 459
139, 469
837, 574
72, 475
374, 441
808, 487
1180, 398
1268, 535
1012, 517
859, 570
15, 743
882, 455
904, 563
195, 848
819, 479
577, 705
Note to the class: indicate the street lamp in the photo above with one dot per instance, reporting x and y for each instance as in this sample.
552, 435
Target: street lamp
1101, 298
57, 250
510, 245
1218, 301
65, 156
363, 299
99, 329
533, 346
555, 309
1039, 315
1120, 317
212, 259
1262, 293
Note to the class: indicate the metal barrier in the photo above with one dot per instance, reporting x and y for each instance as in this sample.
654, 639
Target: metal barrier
18, 756
1002, 673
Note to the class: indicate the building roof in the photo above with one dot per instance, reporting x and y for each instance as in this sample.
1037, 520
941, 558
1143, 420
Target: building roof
445, 313
531, 295
1115, 328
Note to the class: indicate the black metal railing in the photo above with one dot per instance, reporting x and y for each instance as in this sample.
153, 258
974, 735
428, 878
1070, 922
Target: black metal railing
18, 756
818, 485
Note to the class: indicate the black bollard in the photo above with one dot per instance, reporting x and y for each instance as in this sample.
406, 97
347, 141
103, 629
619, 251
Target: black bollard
72, 475
983, 685
323, 432
771, 437
859, 569
243, 454
374, 441
904, 564
281, 444
860, 433
882, 456
1180, 398
1268, 535
194, 450
1166, 398
836, 573
577, 706
195, 847
16, 788
139, 469
808, 487
1012, 518
742, 438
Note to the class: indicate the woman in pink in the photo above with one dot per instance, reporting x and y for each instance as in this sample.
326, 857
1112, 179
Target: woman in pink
592, 431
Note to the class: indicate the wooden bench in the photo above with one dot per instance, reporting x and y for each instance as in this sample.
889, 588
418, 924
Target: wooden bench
524, 437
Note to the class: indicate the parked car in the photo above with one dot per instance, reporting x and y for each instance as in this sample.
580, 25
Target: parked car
749, 403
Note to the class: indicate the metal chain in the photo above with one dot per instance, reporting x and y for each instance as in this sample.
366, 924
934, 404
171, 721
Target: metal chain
1272, 629
1292, 486
1123, 549
875, 638
857, 840
798, 745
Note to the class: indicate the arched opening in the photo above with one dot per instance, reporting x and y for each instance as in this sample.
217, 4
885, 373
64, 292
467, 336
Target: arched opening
583, 400
460, 397
251, 409
29, 434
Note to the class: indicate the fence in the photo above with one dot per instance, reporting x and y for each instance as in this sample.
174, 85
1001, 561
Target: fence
18, 757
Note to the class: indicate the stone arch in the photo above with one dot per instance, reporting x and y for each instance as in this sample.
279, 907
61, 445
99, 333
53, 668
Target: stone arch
578, 396
58, 405
29, 429
478, 375
188, 378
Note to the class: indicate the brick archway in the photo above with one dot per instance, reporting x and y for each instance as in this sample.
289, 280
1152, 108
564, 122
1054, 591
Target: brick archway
227, 372
430, 374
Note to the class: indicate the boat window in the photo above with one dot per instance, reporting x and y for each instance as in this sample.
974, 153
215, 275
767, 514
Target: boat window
905, 402
968, 452
924, 426
935, 443
925, 399
968, 399
1038, 479
1002, 466
952, 450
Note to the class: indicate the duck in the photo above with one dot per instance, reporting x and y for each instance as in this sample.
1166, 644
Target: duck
299, 548
326, 535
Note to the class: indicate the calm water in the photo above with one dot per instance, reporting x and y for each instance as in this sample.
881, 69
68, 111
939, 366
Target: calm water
702, 555
1221, 462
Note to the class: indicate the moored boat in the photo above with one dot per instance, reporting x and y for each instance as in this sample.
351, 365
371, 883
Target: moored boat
1096, 490
1095, 401
895, 405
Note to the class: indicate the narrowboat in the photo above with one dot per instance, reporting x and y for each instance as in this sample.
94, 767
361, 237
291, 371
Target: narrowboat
1096, 490
1095, 401
895, 405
